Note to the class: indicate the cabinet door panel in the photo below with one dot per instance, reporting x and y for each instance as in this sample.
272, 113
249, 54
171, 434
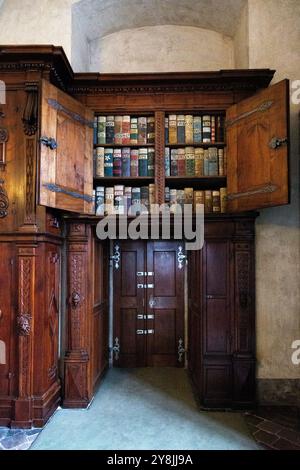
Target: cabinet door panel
257, 168
66, 172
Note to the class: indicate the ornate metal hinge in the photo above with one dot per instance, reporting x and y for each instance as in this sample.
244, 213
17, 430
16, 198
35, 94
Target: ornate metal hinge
116, 256
181, 257
181, 350
276, 142
49, 142
116, 349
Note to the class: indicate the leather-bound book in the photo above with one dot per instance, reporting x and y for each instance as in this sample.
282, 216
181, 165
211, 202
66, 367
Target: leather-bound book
118, 129
189, 129
126, 161
126, 130
117, 162
142, 130
108, 161
180, 129
172, 129
190, 161
110, 129
150, 130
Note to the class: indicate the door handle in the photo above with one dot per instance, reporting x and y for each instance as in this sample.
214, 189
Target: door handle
152, 302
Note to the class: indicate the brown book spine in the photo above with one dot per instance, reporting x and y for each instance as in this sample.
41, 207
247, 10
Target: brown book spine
126, 130
189, 129
223, 199
172, 129
208, 201
150, 130
118, 130
216, 201
213, 129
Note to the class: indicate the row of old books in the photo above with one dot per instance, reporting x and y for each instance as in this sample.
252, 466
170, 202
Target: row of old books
195, 161
119, 198
213, 200
123, 162
124, 130
189, 129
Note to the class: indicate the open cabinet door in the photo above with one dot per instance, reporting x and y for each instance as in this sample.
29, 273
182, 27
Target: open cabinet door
66, 152
257, 150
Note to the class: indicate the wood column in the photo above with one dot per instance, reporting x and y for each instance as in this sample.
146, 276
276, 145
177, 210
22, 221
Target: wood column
25, 332
76, 393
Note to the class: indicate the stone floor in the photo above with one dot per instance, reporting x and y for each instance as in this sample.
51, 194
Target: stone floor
276, 428
17, 439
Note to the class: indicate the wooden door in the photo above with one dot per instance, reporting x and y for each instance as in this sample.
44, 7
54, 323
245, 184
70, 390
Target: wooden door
217, 323
257, 148
148, 294
66, 152
164, 304
129, 304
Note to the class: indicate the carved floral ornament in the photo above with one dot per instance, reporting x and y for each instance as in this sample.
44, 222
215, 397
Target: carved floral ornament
4, 202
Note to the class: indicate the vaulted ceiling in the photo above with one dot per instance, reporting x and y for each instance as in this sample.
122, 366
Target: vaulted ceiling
103, 17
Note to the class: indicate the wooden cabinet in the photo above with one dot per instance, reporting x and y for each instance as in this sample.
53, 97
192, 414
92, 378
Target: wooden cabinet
222, 313
46, 184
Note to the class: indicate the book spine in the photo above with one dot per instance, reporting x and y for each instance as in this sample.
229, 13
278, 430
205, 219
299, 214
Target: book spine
221, 161
109, 201
117, 162
150, 130
190, 161
174, 168
150, 164
134, 162
133, 130
99, 171
136, 198
127, 198
108, 161
181, 162
216, 201
197, 129
213, 129
143, 162
126, 161
205, 163
118, 130
172, 129
207, 201
220, 129
95, 134
110, 129
206, 129
188, 196
145, 199
166, 130
180, 198
126, 130
199, 157
212, 161
189, 129
142, 130
167, 196
167, 162
223, 199
100, 200
119, 199
181, 129
101, 130
225, 161
198, 200
151, 196
173, 200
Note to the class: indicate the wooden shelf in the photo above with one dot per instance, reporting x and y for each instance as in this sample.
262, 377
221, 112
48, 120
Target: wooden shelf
123, 145
204, 145
138, 180
201, 182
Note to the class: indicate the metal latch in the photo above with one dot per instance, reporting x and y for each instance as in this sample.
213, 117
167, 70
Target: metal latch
144, 332
49, 142
277, 142
145, 317
116, 349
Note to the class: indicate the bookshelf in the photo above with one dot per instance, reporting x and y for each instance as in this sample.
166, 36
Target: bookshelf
158, 154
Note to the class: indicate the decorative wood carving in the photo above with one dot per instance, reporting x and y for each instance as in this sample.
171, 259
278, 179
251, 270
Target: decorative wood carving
26, 269
3, 140
53, 311
4, 202
243, 270
30, 184
30, 115
23, 324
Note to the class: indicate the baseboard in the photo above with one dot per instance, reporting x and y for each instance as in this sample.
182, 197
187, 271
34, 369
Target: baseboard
43, 407
278, 392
